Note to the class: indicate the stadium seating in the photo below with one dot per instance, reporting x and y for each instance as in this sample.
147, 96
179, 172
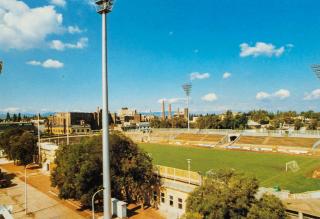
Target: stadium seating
277, 141
199, 137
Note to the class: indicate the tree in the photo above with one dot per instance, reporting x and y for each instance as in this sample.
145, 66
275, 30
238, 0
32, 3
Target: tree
8, 118
267, 207
78, 173
18, 145
225, 194
192, 216
24, 148
155, 123
298, 124
313, 125
14, 117
19, 117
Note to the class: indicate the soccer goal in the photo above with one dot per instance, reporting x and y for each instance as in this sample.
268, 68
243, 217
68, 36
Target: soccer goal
293, 166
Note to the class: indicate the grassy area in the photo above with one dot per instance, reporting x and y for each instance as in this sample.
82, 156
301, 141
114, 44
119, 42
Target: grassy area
269, 169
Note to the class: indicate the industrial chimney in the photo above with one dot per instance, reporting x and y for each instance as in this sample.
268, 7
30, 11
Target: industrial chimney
163, 111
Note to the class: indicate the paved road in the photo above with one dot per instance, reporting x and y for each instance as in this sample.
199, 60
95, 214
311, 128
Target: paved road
39, 204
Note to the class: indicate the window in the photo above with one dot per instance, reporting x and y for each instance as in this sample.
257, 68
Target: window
180, 203
162, 197
171, 200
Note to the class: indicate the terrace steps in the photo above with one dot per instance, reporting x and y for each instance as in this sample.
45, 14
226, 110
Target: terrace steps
278, 141
214, 138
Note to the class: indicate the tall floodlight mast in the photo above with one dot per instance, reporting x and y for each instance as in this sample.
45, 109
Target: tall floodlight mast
104, 7
316, 70
187, 89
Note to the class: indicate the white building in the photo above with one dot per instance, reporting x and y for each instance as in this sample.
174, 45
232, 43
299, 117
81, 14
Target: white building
48, 154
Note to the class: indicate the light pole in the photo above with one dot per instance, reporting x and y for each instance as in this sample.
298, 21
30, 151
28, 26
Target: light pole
67, 121
189, 167
25, 188
187, 89
93, 201
104, 7
39, 146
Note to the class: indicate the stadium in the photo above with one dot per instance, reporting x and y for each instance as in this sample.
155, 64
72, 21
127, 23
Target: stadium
289, 161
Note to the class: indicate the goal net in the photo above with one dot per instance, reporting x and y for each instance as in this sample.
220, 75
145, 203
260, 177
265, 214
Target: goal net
293, 166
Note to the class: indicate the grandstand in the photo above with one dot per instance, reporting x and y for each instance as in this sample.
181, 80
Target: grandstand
278, 141
224, 139
214, 138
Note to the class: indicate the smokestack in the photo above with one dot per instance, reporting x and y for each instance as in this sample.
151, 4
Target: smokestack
170, 115
163, 111
98, 116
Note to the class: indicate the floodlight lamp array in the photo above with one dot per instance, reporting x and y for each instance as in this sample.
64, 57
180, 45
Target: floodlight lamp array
104, 6
316, 70
187, 88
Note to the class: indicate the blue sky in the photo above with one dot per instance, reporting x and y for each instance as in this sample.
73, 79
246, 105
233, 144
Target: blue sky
264, 49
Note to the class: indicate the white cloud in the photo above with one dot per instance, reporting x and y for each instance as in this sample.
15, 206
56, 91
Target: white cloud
280, 94
33, 62
210, 97
176, 100
314, 95
200, 76
172, 100
260, 49
91, 3
226, 75
11, 109
161, 100
59, 45
262, 95
290, 45
25, 28
60, 3
49, 63
74, 29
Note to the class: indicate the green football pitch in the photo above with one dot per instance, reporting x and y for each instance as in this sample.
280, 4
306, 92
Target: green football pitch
268, 168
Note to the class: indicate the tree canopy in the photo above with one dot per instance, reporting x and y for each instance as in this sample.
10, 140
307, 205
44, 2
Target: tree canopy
78, 172
227, 194
267, 207
19, 145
